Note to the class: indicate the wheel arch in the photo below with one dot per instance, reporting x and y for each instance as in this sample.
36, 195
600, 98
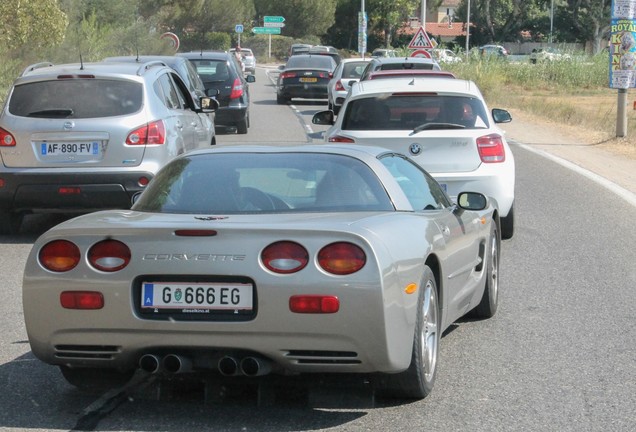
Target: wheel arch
432, 261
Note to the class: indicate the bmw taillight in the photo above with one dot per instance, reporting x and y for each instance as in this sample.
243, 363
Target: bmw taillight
341, 258
286, 75
150, 133
341, 139
237, 89
339, 86
109, 255
82, 300
284, 257
314, 304
59, 256
491, 148
6, 139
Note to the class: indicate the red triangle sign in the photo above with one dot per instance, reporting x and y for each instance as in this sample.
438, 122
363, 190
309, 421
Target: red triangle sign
420, 40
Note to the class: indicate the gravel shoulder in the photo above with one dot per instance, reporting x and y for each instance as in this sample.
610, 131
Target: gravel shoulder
611, 158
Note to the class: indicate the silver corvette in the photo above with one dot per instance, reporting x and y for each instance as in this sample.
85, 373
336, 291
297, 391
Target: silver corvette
253, 260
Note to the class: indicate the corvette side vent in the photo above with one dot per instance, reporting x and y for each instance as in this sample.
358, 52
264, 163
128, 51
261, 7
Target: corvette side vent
323, 357
89, 352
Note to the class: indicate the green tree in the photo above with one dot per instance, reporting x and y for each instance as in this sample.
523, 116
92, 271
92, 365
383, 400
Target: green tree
386, 17
586, 21
302, 17
31, 24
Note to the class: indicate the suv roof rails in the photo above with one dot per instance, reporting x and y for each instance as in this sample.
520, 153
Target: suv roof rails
35, 66
146, 66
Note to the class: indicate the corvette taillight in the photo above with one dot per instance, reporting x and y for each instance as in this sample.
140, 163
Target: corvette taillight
314, 304
237, 89
341, 258
109, 255
150, 133
82, 300
284, 257
338, 138
6, 139
339, 86
59, 256
491, 148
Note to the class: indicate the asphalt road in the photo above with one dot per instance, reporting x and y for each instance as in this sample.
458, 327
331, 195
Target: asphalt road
558, 356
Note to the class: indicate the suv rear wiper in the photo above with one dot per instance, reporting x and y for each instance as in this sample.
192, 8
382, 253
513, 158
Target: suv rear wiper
55, 113
428, 126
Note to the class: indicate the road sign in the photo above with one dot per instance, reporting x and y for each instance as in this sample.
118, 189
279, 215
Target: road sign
273, 19
421, 53
274, 24
238, 28
266, 30
420, 40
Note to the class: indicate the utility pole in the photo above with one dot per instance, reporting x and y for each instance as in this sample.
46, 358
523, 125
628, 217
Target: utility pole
467, 29
424, 15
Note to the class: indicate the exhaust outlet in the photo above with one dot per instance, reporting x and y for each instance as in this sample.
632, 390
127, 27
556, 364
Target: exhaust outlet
228, 366
254, 366
176, 364
150, 363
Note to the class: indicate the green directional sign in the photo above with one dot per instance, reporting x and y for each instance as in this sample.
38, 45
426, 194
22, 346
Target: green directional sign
266, 30
273, 19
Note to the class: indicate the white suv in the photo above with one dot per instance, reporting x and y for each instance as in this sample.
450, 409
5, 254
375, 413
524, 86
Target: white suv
84, 137
443, 124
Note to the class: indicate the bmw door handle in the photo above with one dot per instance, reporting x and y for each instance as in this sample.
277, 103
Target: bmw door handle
179, 125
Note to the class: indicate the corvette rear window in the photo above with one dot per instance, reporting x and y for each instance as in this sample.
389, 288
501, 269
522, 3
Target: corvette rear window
235, 183
76, 98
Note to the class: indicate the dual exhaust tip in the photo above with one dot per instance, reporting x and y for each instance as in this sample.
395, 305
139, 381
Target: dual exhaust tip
227, 365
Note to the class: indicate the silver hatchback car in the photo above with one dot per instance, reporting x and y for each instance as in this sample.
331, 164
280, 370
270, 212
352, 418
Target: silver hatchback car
84, 137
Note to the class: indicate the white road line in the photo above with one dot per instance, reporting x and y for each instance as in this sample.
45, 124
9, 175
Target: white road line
611, 186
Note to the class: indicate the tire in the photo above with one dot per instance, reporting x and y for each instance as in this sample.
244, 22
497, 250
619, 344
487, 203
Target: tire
95, 379
418, 380
487, 307
241, 126
10, 222
508, 224
280, 100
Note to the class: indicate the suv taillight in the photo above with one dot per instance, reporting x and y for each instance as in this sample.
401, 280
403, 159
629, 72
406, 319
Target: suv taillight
491, 148
237, 89
150, 133
6, 139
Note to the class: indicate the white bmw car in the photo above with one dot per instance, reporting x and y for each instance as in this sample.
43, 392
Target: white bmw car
443, 124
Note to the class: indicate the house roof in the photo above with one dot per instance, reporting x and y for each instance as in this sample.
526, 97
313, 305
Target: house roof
438, 29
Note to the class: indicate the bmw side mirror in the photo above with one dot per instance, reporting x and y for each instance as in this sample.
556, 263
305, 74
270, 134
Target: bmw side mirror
250, 78
501, 116
323, 118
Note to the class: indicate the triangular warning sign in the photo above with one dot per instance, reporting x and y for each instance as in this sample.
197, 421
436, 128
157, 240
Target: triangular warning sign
420, 40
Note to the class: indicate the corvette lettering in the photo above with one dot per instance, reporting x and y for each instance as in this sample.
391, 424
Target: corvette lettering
192, 257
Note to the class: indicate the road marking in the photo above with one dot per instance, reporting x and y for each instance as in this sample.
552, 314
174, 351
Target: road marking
610, 185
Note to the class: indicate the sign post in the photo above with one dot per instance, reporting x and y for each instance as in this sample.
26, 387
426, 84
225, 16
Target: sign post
271, 25
239, 29
622, 74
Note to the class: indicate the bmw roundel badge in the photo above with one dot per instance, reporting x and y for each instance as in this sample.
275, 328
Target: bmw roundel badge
415, 149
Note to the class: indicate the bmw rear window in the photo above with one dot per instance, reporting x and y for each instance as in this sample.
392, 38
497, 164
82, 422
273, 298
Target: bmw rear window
76, 98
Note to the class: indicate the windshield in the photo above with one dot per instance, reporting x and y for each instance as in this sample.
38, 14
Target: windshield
407, 112
76, 98
231, 183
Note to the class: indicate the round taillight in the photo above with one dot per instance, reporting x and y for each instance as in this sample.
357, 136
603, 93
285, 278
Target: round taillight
341, 258
284, 257
59, 256
109, 255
